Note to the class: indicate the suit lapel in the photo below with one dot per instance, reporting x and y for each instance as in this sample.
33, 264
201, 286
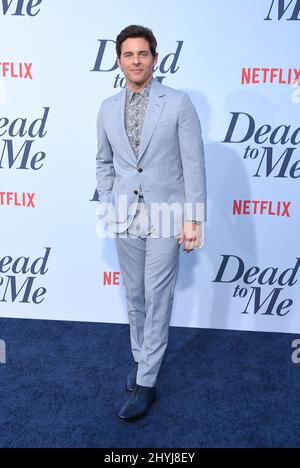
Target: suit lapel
154, 108
125, 143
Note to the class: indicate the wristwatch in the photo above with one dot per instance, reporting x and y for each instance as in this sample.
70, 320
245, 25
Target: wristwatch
196, 222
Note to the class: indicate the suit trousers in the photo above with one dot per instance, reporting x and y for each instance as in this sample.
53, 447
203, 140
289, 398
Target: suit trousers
149, 267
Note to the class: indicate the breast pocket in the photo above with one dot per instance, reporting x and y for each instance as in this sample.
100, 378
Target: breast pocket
165, 131
164, 122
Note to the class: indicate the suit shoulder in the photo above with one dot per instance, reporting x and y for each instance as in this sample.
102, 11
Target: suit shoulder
177, 94
107, 102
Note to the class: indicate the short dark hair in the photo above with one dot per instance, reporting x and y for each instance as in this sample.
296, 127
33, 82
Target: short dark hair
136, 31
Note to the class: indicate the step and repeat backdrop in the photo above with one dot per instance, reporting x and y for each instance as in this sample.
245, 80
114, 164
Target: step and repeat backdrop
239, 62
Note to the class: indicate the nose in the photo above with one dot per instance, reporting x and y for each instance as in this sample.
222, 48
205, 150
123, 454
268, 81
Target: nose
136, 60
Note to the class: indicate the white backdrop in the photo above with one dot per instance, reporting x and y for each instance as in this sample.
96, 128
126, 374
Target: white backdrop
204, 46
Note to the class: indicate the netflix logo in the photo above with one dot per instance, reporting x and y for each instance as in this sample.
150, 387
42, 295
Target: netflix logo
111, 278
261, 207
16, 70
17, 199
267, 75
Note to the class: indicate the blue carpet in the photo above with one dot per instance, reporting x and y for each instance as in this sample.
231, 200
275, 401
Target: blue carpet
63, 385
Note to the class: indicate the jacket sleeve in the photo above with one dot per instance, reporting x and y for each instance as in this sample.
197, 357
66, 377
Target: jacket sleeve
193, 161
105, 173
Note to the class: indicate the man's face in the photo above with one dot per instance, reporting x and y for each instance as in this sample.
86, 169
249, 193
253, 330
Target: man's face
136, 61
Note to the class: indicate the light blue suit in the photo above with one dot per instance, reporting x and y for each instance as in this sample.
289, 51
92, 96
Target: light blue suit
170, 166
169, 169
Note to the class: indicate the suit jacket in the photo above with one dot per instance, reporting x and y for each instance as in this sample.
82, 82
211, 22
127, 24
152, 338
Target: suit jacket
170, 166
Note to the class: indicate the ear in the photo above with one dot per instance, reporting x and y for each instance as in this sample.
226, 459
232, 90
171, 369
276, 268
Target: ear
119, 63
155, 59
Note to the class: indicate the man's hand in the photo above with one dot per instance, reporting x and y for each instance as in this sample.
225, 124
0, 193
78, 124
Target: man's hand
191, 235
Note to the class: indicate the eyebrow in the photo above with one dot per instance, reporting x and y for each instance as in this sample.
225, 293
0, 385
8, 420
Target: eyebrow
140, 51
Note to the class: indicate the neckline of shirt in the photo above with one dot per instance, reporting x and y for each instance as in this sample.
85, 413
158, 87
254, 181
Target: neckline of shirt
143, 91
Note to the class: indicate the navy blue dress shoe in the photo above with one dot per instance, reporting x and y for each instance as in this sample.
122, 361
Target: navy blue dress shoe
131, 379
138, 403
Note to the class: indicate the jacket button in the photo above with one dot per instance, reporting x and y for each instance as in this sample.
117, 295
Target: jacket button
135, 192
140, 169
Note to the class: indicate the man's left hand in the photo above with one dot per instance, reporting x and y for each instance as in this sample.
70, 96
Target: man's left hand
191, 235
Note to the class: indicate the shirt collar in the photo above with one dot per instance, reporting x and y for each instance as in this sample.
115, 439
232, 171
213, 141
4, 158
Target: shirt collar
144, 91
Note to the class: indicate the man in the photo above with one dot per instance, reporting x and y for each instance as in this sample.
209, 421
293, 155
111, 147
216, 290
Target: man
150, 156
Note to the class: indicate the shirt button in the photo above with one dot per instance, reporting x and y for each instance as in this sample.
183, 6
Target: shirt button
140, 170
135, 192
